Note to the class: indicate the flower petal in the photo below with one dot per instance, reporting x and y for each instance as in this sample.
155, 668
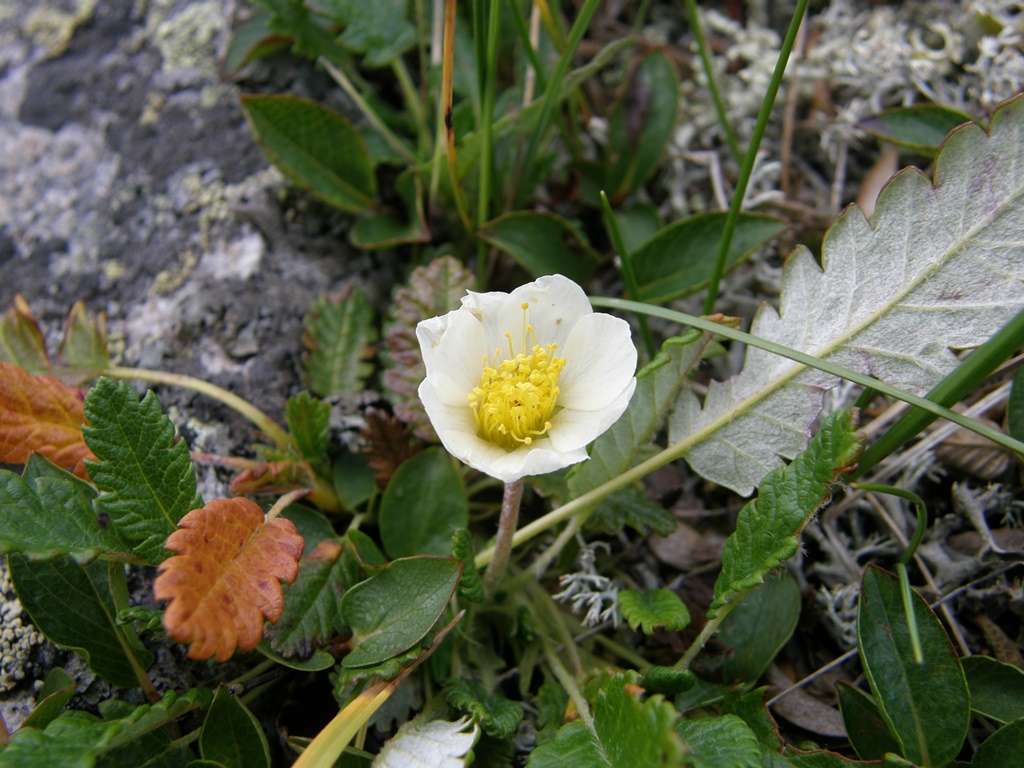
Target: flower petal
456, 426
571, 429
453, 349
600, 359
556, 305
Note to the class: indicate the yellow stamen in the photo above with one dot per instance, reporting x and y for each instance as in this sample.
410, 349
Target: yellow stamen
516, 397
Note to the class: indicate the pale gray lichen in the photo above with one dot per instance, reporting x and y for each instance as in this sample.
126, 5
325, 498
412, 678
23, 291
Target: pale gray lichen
18, 638
588, 592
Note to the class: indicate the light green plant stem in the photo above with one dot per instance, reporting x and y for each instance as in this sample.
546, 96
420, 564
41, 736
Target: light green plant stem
232, 401
628, 274
709, 629
554, 86
569, 684
447, 70
126, 634
716, 97
411, 96
584, 504
624, 652
369, 113
747, 168
507, 522
531, 53
490, 75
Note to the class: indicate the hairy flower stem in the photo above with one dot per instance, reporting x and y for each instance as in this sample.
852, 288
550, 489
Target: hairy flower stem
506, 530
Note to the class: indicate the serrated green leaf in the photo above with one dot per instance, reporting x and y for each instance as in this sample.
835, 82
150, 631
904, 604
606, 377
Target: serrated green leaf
621, 447
631, 507
422, 506
145, 474
470, 586
312, 606
997, 689
641, 124
21, 339
543, 243
497, 715
79, 740
432, 290
652, 610
756, 630
382, 31
83, 343
628, 732
751, 708
309, 421
340, 332
865, 727
315, 147
679, 259
720, 741
73, 607
392, 610
921, 127
231, 736
1003, 748
768, 528
926, 705
50, 513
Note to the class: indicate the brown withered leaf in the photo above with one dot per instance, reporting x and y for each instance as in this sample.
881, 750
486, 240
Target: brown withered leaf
226, 576
389, 443
39, 414
274, 477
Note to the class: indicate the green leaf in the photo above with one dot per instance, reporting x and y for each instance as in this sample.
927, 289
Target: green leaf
380, 30
315, 147
470, 586
317, 662
231, 736
78, 739
423, 505
750, 706
865, 727
543, 243
22, 341
354, 481
340, 332
627, 733
720, 741
757, 628
652, 610
1003, 748
667, 680
73, 607
926, 705
641, 124
50, 513
768, 528
253, 40
392, 610
922, 127
312, 605
309, 421
84, 341
497, 715
997, 689
622, 447
631, 507
145, 474
57, 690
679, 259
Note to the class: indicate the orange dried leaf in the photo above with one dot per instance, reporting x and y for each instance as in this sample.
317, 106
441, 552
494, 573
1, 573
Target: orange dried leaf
39, 414
227, 576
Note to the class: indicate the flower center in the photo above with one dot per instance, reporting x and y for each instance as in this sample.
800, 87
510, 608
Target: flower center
516, 397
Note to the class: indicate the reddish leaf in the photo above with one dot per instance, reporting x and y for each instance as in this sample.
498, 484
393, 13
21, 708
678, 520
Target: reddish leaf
39, 414
226, 577
274, 477
389, 443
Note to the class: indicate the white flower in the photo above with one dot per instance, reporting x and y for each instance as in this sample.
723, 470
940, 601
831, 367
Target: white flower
518, 384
